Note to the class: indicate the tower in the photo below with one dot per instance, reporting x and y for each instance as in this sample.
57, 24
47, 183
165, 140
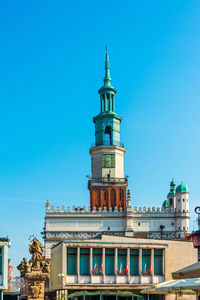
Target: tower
182, 210
172, 195
107, 184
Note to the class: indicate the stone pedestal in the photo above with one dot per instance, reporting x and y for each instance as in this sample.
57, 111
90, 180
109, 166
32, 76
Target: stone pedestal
35, 282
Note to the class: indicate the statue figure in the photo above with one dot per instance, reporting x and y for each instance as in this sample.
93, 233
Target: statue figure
36, 249
24, 267
45, 267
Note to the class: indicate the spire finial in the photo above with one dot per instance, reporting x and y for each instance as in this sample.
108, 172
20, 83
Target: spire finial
107, 78
128, 198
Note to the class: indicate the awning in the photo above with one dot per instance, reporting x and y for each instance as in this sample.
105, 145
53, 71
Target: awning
192, 271
105, 292
186, 286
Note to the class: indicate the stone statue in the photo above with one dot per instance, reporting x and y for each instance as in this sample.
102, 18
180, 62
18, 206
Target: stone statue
36, 271
45, 267
36, 249
24, 267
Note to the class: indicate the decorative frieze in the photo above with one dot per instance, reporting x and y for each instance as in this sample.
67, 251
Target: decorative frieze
158, 235
79, 235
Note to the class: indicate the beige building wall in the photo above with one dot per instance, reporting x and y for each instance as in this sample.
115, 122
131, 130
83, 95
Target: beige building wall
56, 266
176, 255
180, 254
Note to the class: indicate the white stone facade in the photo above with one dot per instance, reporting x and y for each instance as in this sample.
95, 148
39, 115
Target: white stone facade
4, 244
150, 222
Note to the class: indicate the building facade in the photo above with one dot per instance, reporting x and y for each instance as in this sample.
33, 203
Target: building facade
110, 210
4, 244
114, 265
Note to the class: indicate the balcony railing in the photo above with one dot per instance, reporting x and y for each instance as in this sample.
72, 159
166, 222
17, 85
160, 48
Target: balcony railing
107, 143
108, 179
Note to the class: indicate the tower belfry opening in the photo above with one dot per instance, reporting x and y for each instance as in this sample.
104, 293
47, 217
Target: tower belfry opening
107, 136
107, 185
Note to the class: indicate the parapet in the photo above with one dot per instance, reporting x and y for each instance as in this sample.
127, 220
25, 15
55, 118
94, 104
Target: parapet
135, 210
80, 210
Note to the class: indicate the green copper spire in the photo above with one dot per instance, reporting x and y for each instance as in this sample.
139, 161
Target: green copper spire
107, 122
172, 188
107, 87
107, 78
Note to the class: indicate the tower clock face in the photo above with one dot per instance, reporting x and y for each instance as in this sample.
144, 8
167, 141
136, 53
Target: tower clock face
108, 160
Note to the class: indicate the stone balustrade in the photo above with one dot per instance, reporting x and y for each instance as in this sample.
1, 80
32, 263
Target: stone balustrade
82, 210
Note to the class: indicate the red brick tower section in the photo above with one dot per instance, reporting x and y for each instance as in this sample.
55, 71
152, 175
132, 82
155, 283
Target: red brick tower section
111, 195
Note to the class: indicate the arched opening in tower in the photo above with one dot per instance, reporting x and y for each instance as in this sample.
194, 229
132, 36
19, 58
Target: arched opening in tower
113, 199
107, 135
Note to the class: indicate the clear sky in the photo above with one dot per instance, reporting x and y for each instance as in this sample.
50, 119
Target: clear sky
51, 65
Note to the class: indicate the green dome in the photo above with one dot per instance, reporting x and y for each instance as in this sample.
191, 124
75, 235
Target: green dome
172, 188
171, 193
182, 188
172, 183
165, 203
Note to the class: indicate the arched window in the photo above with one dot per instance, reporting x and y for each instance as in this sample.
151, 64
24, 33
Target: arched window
105, 198
113, 199
98, 198
107, 135
121, 198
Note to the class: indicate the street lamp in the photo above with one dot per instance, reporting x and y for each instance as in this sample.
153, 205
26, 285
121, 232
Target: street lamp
61, 275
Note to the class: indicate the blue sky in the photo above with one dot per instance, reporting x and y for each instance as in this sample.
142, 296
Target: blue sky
51, 65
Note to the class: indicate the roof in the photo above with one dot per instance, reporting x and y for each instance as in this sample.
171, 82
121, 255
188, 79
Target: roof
191, 271
182, 188
171, 193
165, 203
3, 239
122, 240
186, 286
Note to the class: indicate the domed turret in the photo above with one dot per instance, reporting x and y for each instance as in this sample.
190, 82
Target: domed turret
172, 194
182, 188
182, 210
172, 188
165, 203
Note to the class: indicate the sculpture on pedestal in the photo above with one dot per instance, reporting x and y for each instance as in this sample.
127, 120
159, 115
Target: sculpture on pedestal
36, 271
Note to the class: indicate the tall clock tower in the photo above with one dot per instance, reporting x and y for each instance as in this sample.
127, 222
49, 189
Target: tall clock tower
107, 184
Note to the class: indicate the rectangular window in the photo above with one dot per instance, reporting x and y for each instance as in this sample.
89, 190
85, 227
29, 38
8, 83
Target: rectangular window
134, 258
1, 261
109, 262
146, 261
84, 261
121, 261
96, 261
158, 257
71, 261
